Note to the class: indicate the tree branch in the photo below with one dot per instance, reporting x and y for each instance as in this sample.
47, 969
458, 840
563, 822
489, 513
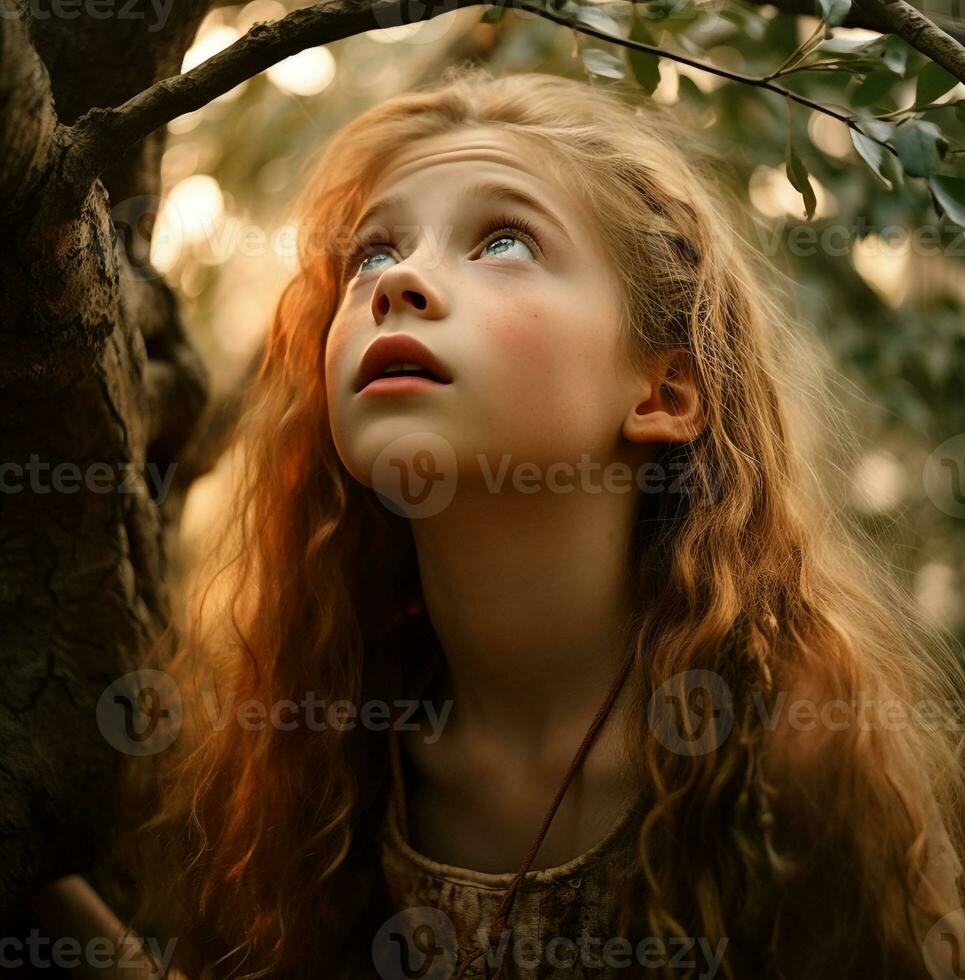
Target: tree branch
97, 137
863, 18
27, 120
903, 19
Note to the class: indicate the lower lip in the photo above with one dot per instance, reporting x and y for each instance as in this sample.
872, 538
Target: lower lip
399, 386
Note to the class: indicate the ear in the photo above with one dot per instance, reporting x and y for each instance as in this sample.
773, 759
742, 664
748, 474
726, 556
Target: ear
668, 406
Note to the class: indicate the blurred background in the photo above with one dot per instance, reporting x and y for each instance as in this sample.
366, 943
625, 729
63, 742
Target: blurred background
880, 277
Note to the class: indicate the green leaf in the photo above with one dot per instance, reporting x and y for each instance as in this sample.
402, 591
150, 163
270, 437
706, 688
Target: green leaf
492, 14
889, 50
933, 82
833, 11
871, 152
949, 193
917, 144
645, 66
894, 53
672, 15
603, 63
797, 173
846, 45
871, 90
593, 16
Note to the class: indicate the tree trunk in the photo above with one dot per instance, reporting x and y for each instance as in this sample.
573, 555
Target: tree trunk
99, 393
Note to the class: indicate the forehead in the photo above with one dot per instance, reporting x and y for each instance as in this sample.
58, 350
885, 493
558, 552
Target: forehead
457, 159
477, 144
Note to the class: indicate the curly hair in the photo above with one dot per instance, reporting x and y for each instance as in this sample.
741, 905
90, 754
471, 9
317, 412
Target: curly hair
815, 852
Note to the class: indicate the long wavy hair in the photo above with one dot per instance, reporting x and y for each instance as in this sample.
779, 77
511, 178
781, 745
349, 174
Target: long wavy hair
814, 852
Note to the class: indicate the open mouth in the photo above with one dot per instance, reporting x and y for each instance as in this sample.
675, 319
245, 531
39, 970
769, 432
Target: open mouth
401, 370
398, 356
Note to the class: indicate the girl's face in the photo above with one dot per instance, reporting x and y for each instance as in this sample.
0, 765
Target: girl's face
525, 322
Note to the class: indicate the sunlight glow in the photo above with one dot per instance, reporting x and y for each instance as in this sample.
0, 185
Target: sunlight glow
668, 91
771, 193
879, 483
208, 43
939, 594
306, 73
191, 212
884, 264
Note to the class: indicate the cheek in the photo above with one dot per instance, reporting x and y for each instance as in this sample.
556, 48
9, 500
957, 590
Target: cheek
522, 334
550, 353
336, 357
522, 351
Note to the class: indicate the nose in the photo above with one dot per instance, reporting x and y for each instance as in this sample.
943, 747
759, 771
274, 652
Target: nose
403, 288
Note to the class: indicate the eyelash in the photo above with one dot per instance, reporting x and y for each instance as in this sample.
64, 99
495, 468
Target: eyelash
495, 227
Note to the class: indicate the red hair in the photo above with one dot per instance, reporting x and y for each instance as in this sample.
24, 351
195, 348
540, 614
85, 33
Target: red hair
806, 850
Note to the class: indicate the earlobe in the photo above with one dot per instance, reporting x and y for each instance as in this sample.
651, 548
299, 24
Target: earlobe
667, 407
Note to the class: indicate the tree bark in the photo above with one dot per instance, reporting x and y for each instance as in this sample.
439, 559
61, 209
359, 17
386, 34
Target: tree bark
99, 391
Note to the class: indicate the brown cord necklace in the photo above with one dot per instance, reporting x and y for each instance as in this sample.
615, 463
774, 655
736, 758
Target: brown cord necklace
500, 932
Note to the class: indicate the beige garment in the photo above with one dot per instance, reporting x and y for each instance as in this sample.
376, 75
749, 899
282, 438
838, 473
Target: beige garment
455, 908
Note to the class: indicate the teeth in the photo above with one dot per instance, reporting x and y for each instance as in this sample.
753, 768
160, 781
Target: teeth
402, 366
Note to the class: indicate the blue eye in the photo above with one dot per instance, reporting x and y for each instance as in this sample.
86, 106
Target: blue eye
374, 255
509, 238
523, 233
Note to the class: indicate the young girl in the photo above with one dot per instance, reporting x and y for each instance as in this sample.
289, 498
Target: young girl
643, 705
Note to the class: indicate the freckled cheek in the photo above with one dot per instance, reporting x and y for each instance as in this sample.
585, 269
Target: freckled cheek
520, 344
536, 355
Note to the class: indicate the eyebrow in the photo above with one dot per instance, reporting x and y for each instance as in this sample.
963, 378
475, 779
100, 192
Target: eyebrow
492, 189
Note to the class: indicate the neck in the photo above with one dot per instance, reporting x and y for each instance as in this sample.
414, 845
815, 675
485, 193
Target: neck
530, 596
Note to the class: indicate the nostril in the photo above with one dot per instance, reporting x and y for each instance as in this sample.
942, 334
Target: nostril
383, 304
417, 299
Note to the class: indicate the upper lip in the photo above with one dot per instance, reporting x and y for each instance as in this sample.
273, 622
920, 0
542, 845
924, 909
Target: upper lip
398, 347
